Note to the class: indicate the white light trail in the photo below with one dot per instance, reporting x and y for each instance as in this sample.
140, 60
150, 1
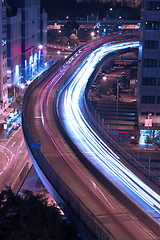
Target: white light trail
90, 144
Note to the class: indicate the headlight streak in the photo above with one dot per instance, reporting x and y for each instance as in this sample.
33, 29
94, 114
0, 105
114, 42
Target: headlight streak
8, 160
88, 141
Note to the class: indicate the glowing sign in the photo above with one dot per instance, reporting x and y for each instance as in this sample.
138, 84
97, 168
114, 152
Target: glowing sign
148, 122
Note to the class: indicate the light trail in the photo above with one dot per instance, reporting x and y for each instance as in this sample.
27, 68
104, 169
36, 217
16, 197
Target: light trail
90, 144
9, 159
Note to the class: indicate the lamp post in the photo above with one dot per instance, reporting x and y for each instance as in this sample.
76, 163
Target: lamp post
148, 124
117, 107
92, 34
14, 96
40, 47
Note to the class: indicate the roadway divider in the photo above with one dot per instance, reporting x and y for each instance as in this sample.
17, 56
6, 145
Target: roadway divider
89, 219
114, 190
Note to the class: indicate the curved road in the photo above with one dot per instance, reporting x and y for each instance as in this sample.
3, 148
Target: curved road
40, 116
71, 111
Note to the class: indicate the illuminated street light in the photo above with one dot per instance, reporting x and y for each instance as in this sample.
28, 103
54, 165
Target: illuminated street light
117, 107
104, 78
58, 52
40, 46
92, 34
28, 82
149, 123
22, 86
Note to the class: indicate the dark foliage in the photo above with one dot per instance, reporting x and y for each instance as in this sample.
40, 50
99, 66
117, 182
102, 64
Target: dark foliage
28, 217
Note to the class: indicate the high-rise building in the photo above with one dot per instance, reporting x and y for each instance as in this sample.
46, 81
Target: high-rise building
14, 46
43, 33
3, 58
30, 34
149, 70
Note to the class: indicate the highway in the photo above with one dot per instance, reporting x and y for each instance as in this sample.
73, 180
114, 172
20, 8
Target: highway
87, 140
40, 116
15, 161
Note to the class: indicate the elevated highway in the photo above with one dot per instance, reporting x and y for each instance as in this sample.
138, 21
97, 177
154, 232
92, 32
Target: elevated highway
67, 157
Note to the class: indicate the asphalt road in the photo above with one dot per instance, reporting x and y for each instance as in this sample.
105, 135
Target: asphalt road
108, 209
15, 161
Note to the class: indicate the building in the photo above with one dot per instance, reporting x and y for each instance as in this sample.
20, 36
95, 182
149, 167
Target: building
149, 71
31, 36
43, 33
3, 58
14, 46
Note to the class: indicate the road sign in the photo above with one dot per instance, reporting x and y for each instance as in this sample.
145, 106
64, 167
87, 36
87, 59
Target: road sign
36, 145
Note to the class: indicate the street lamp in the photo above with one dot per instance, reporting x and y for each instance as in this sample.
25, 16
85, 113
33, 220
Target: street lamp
40, 46
148, 124
117, 107
22, 86
45, 64
28, 82
92, 34
104, 78
40, 62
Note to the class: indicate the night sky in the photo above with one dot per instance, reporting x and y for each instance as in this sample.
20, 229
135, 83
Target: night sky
58, 8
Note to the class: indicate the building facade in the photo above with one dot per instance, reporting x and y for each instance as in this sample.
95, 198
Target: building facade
14, 47
3, 58
31, 45
43, 33
149, 70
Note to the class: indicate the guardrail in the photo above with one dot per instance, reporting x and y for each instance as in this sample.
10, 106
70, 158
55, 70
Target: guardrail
89, 219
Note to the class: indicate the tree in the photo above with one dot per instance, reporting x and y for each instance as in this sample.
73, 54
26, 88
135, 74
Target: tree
73, 40
29, 217
64, 40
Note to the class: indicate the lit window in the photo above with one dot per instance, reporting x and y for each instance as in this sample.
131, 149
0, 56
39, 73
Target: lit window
152, 25
153, 5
